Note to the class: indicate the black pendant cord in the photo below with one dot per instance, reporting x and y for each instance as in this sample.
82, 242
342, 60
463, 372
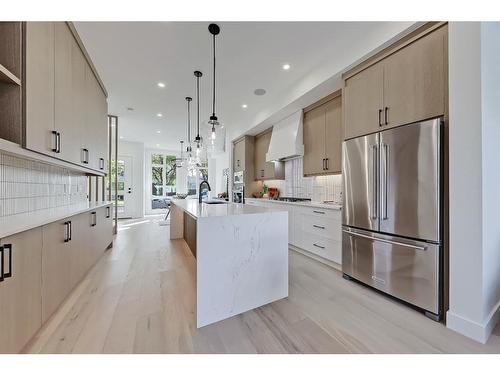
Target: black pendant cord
214, 29
198, 74
213, 98
188, 100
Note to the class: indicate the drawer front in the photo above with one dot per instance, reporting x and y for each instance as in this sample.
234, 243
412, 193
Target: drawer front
322, 226
322, 246
406, 269
321, 212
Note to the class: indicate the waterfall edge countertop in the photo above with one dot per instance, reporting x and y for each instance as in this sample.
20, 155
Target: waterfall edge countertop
331, 206
241, 255
13, 224
197, 210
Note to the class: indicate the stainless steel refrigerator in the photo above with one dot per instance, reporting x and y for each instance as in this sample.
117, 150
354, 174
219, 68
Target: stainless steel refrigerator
392, 213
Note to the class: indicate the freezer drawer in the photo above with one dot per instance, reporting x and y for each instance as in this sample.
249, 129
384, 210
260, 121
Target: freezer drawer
406, 269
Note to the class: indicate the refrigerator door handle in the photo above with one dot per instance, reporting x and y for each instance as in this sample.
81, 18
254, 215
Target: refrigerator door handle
383, 180
374, 165
422, 248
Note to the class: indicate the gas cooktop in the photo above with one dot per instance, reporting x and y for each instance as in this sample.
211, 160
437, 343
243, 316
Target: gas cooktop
292, 199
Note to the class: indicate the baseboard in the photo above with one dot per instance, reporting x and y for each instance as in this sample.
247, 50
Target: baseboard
337, 266
477, 331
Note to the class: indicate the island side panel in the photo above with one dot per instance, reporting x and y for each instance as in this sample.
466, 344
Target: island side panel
176, 222
242, 263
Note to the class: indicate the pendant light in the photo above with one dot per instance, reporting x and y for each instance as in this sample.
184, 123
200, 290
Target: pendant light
198, 139
214, 29
188, 148
180, 160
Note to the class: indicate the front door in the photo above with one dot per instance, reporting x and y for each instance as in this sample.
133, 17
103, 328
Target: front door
125, 189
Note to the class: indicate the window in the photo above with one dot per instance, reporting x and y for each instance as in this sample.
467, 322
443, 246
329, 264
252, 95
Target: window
163, 179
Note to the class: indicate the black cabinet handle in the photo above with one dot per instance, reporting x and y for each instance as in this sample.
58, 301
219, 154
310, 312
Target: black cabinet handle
57, 142
1, 264
70, 230
318, 226
94, 219
101, 163
108, 212
327, 166
319, 212
321, 247
323, 164
66, 231
85, 156
4, 275
379, 117
386, 110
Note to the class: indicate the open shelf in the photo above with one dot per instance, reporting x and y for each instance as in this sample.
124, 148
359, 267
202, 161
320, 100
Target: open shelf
7, 77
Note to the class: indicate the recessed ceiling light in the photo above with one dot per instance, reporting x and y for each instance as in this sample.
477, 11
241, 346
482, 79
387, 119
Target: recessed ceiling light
121, 136
161, 84
286, 66
158, 131
244, 106
157, 145
259, 92
159, 115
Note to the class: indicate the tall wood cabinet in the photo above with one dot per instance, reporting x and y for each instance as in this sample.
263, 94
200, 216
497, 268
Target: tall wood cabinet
323, 138
266, 170
65, 105
406, 86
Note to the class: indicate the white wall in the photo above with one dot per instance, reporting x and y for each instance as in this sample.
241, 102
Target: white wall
474, 157
136, 151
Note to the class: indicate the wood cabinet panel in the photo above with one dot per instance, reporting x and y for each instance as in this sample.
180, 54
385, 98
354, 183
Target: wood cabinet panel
414, 81
266, 170
20, 294
364, 98
333, 135
39, 86
239, 156
314, 141
56, 267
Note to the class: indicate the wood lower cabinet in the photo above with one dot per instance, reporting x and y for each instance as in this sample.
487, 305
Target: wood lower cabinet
406, 86
323, 138
47, 263
263, 169
20, 294
239, 155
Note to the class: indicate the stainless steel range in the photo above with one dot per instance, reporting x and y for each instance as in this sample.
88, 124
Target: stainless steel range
392, 213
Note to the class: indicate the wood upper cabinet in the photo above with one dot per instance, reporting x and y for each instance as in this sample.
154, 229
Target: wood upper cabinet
323, 138
314, 141
333, 135
39, 87
364, 100
20, 294
266, 170
414, 81
407, 86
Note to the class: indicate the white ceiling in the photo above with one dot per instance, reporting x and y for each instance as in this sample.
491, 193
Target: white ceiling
132, 57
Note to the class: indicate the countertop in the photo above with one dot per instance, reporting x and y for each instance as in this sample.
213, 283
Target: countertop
197, 210
13, 224
330, 206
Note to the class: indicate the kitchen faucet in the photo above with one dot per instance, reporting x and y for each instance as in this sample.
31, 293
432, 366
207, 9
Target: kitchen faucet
199, 189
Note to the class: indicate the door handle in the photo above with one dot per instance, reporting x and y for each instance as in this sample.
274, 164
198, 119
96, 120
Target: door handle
383, 180
379, 117
386, 110
397, 243
374, 168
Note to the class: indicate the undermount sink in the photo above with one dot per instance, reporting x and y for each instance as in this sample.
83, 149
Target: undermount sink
215, 202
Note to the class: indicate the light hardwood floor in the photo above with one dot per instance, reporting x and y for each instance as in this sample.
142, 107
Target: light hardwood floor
140, 298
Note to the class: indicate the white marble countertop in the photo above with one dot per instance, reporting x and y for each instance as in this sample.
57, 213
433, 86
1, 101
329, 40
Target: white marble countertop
13, 224
197, 210
330, 206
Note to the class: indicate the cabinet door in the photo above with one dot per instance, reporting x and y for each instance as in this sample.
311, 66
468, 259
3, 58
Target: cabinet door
239, 156
364, 94
56, 266
314, 141
261, 147
78, 76
68, 78
105, 229
102, 131
94, 118
82, 247
414, 81
269, 167
40, 87
333, 135
20, 294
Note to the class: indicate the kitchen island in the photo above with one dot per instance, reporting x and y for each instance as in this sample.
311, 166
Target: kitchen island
241, 255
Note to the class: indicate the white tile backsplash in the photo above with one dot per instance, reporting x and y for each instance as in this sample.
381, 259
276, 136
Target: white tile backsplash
27, 185
318, 189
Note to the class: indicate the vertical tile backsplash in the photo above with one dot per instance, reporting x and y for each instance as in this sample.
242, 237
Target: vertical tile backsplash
27, 185
319, 188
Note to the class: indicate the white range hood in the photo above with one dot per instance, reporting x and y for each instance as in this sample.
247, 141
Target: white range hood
287, 139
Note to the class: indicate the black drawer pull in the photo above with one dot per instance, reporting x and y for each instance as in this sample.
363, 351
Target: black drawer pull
108, 212
101, 163
94, 219
318, 226
319, 212
4, 275
70, 230
321, 247
66, 231
1, 264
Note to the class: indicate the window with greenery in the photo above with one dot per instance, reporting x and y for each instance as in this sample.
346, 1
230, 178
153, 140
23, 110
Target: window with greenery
163, 179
